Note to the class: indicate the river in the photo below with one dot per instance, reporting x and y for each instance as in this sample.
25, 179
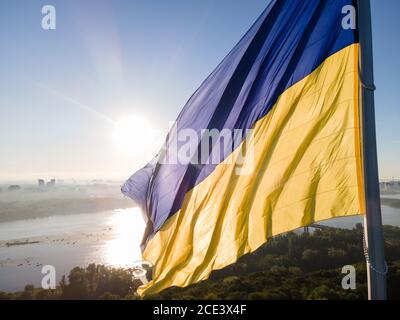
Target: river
66, 241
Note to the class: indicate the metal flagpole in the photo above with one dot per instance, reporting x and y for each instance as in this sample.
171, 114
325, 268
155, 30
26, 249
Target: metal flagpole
373, 242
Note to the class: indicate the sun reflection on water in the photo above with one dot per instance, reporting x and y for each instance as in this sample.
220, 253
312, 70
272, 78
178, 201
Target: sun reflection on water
123, 249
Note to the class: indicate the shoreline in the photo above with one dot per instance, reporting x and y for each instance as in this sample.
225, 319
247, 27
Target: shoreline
26, 210
32, 209
391, 203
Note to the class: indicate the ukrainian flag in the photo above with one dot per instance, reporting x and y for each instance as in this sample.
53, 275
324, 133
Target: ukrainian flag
293, 80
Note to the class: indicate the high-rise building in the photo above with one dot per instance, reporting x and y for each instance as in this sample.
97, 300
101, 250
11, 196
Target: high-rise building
51, 183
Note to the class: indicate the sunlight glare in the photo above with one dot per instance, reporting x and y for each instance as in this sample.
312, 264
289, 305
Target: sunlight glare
124, 250
136, 136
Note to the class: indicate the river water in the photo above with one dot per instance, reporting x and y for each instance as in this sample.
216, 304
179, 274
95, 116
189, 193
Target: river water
67, 241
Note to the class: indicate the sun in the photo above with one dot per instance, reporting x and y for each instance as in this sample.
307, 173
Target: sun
136, 135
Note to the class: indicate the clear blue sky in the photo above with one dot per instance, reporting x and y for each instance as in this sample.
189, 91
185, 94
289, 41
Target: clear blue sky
63, 91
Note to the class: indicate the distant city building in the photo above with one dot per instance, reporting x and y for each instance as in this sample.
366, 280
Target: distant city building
390, 186
42, 183
14, 188
51, 183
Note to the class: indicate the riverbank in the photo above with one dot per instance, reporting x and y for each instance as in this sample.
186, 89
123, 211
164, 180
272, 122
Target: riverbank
31, 209
31, 202
390, 202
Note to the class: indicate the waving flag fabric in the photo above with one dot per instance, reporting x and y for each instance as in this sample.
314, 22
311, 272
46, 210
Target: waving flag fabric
293, 80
